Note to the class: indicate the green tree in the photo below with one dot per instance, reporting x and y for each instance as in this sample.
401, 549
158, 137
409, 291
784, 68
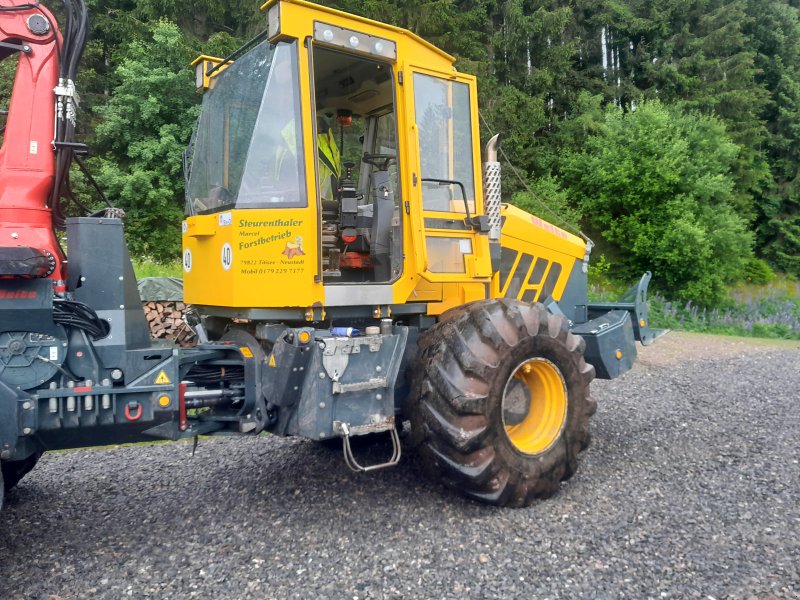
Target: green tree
701, 56
774, 30
141, 136
658, 184
7, 69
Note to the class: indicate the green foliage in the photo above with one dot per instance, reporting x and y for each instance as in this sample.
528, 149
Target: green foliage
544, 197
758, 272
775, 36
147, 267
658, 184
599, 268
7, 69
6, 78
142, 133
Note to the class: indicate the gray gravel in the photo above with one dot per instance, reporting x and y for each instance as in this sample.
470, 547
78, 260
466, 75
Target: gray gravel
690, 489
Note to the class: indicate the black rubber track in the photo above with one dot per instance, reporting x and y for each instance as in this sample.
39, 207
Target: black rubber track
455, 406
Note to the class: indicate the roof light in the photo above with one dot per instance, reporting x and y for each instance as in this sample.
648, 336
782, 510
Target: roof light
274, 21
202, 65
355, 40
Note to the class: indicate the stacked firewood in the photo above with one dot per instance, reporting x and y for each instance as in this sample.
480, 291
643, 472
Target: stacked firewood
166, 322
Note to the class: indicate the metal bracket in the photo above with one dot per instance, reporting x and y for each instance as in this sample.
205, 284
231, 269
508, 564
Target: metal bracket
67, 94
344, 430
359, 386
635, 302
337, 351
16, 47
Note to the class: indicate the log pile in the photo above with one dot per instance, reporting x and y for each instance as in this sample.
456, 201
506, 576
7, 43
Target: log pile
166, 322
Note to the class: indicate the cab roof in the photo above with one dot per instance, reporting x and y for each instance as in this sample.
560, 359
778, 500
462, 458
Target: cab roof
297, 18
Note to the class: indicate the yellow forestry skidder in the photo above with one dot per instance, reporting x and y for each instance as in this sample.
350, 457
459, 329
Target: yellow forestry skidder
353, 271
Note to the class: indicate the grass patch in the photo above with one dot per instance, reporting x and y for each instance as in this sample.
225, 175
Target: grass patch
147, 267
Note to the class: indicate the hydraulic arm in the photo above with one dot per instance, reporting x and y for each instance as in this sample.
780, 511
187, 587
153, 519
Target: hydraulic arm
28, 246
37, 145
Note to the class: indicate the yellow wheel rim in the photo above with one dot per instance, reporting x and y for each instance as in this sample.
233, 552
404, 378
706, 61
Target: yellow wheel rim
534, 406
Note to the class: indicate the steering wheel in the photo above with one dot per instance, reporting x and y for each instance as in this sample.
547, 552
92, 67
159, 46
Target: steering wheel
379, 161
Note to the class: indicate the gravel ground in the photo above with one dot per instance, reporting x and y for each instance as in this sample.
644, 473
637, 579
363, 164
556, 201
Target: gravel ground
690, 489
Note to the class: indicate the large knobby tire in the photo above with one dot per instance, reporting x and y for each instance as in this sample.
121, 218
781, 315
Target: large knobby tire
14, 471
500, 403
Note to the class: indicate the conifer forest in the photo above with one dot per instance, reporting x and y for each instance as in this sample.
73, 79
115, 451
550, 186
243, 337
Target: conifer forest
668, 131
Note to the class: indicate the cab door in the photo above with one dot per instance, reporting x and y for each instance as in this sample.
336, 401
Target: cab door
447, 194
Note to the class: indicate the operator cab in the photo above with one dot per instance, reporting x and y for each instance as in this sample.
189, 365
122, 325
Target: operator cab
334, 164
248, 153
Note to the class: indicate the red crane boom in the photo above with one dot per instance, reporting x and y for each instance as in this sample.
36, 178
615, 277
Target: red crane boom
28, 245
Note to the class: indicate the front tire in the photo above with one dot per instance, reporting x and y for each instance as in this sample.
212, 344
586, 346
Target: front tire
500, 401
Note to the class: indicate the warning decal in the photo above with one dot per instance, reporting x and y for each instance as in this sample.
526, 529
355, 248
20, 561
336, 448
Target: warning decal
162, 379
272, 362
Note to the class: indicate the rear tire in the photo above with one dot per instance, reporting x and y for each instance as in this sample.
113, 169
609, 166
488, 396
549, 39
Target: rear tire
500, 401
14, 471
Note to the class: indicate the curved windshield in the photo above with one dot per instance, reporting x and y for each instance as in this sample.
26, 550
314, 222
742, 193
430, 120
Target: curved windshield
248, 151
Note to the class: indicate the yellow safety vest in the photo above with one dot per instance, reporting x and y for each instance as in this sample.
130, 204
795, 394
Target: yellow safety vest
329, 164
288, 135
328, 153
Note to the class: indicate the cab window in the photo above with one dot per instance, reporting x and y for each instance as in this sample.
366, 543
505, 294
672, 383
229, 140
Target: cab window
442, 110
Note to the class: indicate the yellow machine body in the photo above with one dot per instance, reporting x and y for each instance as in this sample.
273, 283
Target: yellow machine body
241, 260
